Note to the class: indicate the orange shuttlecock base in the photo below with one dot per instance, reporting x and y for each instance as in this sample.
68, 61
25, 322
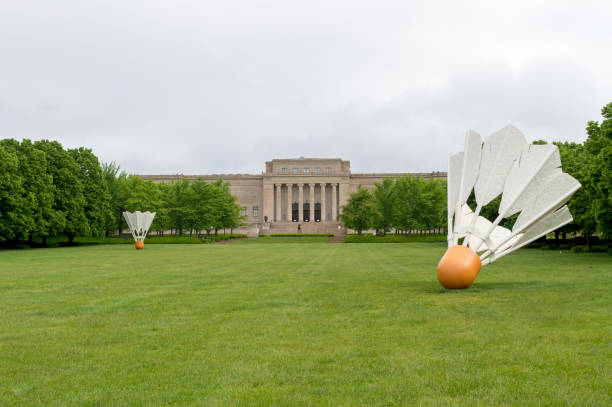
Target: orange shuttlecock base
458, 267
139, 245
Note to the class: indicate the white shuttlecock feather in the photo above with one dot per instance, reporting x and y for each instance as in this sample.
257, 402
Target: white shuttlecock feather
530, 181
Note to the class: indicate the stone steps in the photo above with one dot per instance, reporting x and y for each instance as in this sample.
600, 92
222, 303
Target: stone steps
306, 227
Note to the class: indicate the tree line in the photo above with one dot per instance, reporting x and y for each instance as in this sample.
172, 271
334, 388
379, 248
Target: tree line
48, 191
406, 205
410, 203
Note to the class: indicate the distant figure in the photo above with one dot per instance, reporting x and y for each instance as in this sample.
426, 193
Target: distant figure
299, 228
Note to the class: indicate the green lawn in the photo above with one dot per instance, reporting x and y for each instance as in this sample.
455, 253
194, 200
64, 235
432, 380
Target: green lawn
311, 324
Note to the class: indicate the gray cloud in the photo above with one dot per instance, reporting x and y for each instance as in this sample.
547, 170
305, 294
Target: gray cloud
200, 87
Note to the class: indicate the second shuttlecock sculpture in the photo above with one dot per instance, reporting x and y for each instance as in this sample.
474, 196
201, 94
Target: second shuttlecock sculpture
530, 181
139, 224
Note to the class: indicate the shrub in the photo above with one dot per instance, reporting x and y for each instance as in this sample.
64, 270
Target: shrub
394, 238
14, 246
610, 251
172, 240
536, 245
580, 249
599, 249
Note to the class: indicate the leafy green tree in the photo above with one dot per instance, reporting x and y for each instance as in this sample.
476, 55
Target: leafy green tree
384, 199
412, 204
69, 199
161, 223
14, 222
358, 213
95, 190
227, 211
38, 190
575, 161
142, 195
599, 170
439, 211
116, 182
203, 201
178, 204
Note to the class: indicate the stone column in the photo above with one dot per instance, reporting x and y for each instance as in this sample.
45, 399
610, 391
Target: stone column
311, 188
301, 202
268, 203
343, 195
334, 203
323, 203
289, 201
278, 202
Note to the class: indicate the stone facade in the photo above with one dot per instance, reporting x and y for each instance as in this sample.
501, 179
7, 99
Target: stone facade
306, 191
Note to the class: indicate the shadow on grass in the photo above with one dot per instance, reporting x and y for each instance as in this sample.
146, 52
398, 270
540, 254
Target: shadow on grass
433, 287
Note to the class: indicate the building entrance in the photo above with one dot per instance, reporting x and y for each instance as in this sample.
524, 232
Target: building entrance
317, 212
307, 212
295, 212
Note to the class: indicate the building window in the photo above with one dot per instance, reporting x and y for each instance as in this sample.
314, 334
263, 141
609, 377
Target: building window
284, 170
306, 169
243, 211
328, 169
295, 170
318, 169
255, 211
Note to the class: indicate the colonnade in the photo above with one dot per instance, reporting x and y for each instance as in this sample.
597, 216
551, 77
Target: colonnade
332, 215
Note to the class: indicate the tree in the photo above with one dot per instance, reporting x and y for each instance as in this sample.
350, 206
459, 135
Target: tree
177, 202
598, 146
228, 211
439, 211
358, 212
38, 190
203, 203
142, 195
116, 183
574, 161
13, 221
69, 200
95, 190
412, 204
384, 199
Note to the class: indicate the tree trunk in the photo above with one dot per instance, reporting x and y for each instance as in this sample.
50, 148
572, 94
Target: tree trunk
44, 240
70, 239
588, 240
557, 239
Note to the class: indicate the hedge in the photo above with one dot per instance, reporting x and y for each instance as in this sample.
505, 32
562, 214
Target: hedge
300, 234
395, 238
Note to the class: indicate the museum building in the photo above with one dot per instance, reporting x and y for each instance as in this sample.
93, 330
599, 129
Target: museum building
306, 191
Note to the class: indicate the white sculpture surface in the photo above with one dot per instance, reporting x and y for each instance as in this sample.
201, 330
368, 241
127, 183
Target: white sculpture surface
530, 181
139, 223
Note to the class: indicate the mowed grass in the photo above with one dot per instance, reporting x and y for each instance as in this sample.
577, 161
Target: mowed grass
295, 324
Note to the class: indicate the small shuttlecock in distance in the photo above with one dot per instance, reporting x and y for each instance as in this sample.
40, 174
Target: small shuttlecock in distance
139, 224
530, 181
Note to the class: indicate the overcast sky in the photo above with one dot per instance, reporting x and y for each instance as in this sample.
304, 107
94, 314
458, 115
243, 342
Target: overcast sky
196, 87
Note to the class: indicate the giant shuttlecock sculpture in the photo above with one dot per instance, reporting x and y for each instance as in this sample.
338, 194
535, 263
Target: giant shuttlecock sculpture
530, 181
139, 224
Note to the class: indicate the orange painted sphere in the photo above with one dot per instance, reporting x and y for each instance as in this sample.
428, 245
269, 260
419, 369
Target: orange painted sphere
139, 245
458, 267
